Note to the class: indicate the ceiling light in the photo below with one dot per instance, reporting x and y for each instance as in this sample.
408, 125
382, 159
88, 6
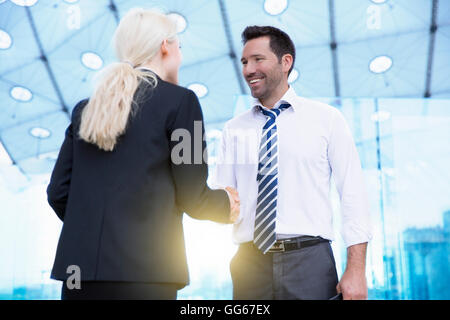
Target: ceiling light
24, 3
275, 7
71, 1
380, 64
378, 1
199, 89
91, 60
52, 156
293, 76
21, 94
40, 133
380, 116
179, 20
5, 39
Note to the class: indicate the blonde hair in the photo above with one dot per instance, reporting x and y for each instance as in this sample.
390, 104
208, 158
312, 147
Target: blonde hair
137, 40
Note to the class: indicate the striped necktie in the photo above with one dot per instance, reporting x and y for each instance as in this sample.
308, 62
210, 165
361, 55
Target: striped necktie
264, 234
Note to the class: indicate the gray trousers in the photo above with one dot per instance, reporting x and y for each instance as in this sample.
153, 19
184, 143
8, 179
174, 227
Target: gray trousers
307, 274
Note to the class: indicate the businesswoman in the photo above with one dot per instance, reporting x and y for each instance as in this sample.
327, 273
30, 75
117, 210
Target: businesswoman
116, 186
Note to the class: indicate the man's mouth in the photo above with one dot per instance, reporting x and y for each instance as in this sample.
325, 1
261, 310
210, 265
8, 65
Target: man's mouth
254, 81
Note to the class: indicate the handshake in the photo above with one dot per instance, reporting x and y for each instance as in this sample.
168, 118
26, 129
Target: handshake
234, 203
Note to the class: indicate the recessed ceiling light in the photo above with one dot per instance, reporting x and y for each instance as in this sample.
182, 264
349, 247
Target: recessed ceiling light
293, 76
179, 20
380, 64
91, 60
200, 89
21, 94
5, 39
71, 1
24, 3
40, 133
378, 1
52, 156
275, 7
380, 116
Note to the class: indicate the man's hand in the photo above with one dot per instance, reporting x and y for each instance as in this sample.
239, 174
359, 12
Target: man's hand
235, 203
353, 284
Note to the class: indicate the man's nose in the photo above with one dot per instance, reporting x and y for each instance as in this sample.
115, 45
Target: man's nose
249, 69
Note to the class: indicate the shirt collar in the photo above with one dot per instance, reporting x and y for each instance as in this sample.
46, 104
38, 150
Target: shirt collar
289, 97
147, 69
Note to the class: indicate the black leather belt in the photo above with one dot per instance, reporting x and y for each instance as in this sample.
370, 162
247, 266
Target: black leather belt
290, 244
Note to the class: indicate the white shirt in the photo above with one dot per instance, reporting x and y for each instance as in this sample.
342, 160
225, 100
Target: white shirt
314, 141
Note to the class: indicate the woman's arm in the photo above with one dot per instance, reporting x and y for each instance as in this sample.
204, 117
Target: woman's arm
58, 188
189, 165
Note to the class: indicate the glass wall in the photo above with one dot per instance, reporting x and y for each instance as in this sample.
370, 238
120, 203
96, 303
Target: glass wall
413, 152
404, 149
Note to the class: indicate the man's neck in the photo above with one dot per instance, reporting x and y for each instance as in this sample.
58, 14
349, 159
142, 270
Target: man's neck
270, 102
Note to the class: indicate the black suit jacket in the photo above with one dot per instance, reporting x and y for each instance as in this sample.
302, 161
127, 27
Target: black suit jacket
122, 210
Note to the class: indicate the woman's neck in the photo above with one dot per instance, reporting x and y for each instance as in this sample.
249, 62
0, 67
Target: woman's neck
156, 68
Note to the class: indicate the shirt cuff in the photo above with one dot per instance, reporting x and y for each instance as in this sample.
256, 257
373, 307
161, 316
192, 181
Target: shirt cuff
357, 240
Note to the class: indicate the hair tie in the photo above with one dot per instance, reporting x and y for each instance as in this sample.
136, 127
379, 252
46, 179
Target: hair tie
128, 62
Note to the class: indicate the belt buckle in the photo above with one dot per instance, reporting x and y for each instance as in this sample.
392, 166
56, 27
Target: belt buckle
277, 247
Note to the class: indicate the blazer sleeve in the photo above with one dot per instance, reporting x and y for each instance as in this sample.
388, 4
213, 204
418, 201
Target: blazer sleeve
189, 165
58, 188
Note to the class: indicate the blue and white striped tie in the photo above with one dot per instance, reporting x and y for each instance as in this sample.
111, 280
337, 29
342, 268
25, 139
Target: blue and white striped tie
264, 235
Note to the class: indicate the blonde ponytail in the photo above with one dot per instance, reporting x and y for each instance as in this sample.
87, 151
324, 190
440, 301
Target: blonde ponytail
137, 40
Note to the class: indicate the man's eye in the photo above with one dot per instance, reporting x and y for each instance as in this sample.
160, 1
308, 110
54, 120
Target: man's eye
244, 62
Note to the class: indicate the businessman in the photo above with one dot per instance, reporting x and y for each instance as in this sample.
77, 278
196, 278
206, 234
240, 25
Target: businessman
280, 156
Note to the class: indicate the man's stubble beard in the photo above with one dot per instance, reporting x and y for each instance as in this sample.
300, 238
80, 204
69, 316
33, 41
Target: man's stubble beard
272, 84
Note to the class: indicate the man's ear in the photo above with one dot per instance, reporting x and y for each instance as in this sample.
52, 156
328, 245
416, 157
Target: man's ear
286, 61
164, 47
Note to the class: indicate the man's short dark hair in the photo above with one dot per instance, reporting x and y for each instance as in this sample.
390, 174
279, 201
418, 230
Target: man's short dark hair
280, 43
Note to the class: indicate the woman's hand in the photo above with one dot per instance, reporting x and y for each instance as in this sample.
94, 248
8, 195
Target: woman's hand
235, 203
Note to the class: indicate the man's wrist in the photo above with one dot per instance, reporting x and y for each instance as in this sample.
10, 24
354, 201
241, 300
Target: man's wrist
356, 271
356, 258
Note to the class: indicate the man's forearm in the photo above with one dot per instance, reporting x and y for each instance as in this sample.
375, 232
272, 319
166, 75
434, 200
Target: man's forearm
353, 282
356, 257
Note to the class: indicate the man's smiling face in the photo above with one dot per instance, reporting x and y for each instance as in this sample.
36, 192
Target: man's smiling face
261, 68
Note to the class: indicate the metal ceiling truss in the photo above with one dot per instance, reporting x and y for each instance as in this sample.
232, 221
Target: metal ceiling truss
433, 29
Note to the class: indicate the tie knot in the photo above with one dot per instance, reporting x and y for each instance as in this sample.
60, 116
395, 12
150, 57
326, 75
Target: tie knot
273, 113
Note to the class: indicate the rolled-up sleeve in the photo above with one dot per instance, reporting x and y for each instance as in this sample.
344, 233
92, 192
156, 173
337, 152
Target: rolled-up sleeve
349, 179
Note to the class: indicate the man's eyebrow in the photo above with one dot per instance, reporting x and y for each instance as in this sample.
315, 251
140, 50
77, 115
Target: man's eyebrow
252, 56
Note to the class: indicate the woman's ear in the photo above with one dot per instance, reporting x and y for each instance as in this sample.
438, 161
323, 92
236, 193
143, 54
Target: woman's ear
164, 49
